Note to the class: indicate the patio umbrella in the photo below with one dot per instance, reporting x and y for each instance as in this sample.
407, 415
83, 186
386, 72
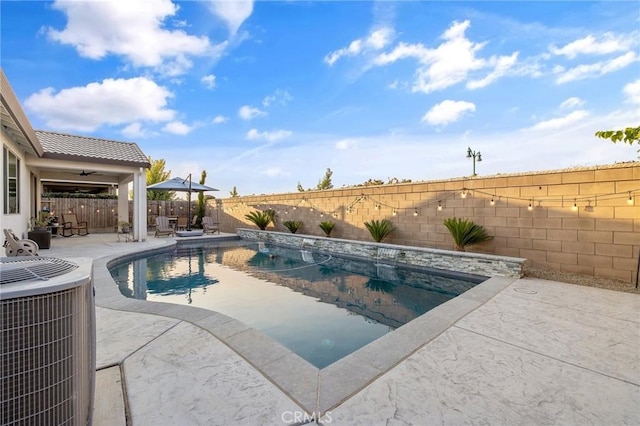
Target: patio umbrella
182, 185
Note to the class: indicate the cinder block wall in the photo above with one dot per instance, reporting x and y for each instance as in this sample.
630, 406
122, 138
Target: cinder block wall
580, 220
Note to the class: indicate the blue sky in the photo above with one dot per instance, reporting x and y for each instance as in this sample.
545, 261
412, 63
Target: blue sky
267, 94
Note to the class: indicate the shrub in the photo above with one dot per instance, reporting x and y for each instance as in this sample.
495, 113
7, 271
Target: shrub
261, 219
293, 225
379, 229
327, 227
466, 233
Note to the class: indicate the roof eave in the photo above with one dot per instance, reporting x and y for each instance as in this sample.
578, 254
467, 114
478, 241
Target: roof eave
12, 105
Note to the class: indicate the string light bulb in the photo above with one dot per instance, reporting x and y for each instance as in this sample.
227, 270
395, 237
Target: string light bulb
439, 205
630, 199
464, 193
530, 207
377, 206
493, 201
575, 205
395, 212
415, 212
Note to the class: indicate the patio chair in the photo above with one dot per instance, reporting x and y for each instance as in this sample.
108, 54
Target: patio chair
71, 226
13, 246
163, 227
182, 223
208, 225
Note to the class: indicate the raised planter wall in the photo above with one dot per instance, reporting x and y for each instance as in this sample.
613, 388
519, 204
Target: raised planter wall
470, 263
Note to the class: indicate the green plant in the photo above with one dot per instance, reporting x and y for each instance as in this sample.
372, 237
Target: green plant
124, 225
293, 225
465, 232
261, 219
41, 221
327, 227
379, 229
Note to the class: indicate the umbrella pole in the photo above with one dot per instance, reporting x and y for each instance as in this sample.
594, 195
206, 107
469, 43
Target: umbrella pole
189, 205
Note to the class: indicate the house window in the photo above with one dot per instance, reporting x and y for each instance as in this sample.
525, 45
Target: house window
11, 180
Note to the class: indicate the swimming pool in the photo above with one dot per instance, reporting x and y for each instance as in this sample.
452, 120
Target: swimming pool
320, 306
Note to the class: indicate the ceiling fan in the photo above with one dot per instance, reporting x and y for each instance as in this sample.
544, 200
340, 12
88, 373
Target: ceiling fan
83, 173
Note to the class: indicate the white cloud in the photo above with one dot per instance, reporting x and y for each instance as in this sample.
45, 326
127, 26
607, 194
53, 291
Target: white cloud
501, 66
232, 12
571, 103
177, 128
133, 131
376, 40
280, 96
247, 112
344, 144
111, 102
597, 69
590, 45
135, 30
273, 136
632, 91
561, 122
220, 119
276, 171
209, 81
449, 63
447, 112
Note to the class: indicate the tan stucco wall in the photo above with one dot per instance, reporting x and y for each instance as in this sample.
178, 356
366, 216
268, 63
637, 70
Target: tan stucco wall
604, 242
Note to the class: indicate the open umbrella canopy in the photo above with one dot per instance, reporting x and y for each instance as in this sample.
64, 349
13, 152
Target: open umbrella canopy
179, 184
184, 185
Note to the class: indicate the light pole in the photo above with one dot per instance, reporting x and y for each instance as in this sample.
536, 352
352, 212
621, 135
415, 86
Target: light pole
474, 155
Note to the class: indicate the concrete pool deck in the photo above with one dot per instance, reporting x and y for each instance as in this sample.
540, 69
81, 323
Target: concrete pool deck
509, 351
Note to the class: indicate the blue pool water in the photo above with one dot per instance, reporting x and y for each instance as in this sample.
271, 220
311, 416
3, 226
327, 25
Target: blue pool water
320, 306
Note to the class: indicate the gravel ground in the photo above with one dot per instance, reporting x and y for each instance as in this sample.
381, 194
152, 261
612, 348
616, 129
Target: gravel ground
586, 280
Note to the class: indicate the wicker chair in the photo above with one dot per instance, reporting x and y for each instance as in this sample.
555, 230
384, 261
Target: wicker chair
209, 226
163, 227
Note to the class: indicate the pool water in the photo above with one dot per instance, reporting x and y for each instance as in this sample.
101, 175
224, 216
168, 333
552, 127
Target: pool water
320, 306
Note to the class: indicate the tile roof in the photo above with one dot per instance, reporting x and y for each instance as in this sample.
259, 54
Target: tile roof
82, 148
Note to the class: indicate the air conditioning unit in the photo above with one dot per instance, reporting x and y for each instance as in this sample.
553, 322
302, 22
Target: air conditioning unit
47, 323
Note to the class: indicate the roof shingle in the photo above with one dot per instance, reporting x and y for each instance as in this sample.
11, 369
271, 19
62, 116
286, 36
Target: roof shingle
82, 148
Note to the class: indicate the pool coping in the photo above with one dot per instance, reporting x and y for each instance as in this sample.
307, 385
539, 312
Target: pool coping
315, 390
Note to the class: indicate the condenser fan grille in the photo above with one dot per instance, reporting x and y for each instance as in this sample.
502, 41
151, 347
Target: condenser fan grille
17, 269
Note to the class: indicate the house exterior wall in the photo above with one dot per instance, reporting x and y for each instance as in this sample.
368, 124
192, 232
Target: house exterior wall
16, 222
603, 241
